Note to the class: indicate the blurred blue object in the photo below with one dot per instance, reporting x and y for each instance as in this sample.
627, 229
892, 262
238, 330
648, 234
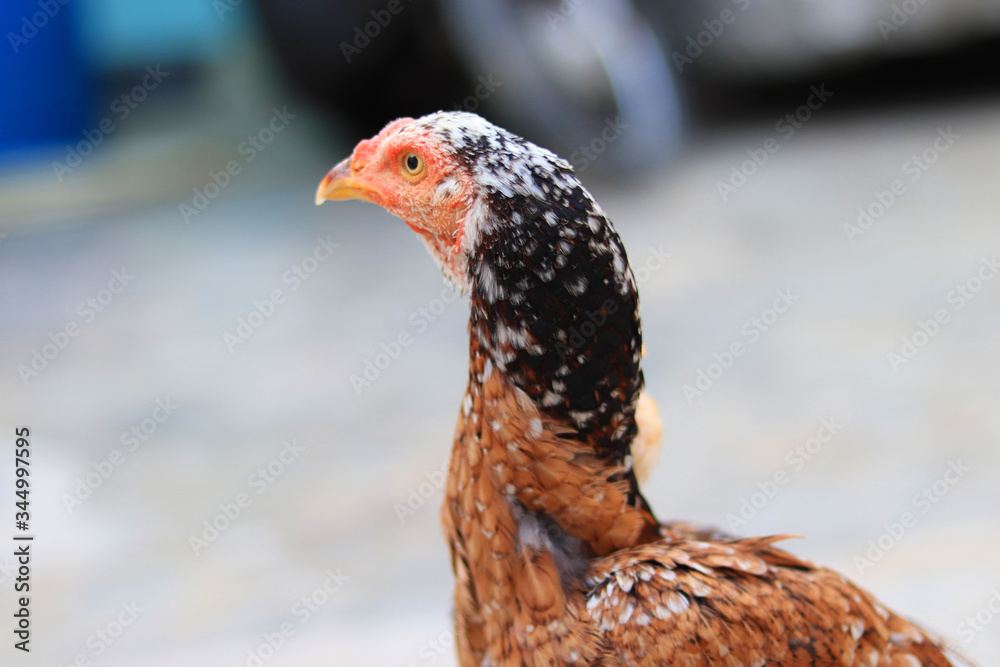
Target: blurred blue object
45, 83
121, 35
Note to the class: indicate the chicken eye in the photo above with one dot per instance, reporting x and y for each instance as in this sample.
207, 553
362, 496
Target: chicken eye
413, 164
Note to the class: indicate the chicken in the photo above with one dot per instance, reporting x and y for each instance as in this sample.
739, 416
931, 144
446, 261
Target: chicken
558, 558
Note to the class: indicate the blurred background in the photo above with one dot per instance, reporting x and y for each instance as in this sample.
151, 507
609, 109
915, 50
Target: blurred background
233, 462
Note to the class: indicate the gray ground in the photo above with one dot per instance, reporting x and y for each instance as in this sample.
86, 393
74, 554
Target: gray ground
334, 506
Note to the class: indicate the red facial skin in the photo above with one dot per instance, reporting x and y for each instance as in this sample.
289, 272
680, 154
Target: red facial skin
433, 200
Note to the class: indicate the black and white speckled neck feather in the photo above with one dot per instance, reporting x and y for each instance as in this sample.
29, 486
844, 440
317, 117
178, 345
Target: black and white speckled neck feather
554, 302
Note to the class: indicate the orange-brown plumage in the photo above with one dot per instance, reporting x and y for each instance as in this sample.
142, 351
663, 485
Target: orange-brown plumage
557, 557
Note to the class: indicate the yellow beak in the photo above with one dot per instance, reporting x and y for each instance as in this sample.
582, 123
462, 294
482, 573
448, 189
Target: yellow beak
340, 184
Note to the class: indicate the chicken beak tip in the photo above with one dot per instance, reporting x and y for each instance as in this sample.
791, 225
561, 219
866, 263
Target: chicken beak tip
321, 190
341, 183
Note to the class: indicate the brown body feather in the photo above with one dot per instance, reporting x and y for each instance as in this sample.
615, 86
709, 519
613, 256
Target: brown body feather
644, 595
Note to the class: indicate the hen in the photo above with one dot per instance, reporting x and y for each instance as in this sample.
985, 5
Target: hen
557, 556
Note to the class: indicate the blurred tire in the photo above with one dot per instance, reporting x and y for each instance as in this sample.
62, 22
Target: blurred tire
573, 74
